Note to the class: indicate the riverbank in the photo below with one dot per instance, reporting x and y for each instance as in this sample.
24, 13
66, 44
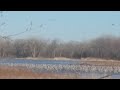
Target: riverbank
87, 61
98, 61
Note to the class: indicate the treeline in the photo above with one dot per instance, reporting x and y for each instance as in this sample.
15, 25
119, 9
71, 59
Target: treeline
107, 47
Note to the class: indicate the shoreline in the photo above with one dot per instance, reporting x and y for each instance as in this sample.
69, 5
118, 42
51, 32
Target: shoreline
85, 61
41, 58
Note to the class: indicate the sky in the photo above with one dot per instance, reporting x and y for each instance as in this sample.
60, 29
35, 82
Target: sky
63, 25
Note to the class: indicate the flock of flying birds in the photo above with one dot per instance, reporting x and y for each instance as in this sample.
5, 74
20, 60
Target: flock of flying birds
27, 29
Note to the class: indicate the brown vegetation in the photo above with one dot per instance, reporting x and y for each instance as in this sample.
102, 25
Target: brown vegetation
99, 61
19, 73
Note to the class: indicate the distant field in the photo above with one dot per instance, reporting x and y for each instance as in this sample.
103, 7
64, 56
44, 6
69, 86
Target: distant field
96, 61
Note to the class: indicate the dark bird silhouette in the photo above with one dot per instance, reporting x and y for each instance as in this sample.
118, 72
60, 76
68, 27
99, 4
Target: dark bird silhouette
41, 25
27, 29
16, 34
31, 23
2, 24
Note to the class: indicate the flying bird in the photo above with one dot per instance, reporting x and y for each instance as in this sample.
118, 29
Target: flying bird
2, 23
113, 24
41, 25
26, 29
31, 23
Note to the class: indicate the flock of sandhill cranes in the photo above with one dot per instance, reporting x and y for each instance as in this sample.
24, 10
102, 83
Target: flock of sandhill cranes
68, 68
76, 68
27, 29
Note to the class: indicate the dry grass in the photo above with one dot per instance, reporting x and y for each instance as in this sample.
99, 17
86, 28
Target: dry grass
20, 73
97, 61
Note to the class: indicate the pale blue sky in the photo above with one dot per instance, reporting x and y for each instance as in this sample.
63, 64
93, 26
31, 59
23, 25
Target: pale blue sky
65, 25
